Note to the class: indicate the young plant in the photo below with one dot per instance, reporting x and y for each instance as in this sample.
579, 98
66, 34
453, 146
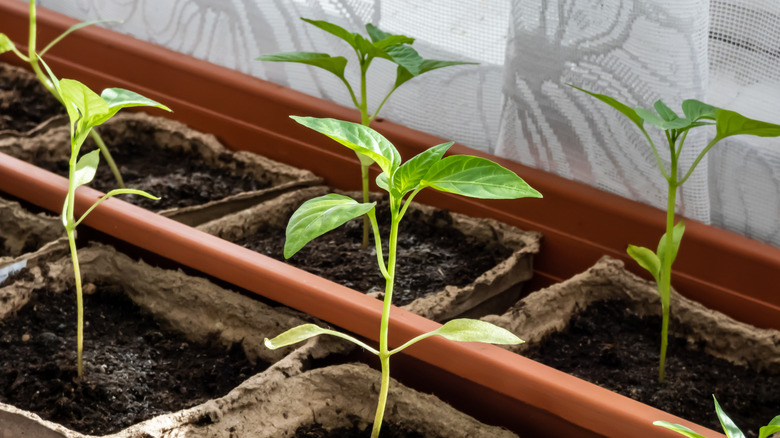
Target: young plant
394, 48
85, 111
32, 58
676, 128
460, 174
729, 428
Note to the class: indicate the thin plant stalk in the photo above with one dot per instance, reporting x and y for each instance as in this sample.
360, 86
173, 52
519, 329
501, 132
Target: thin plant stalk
32, 59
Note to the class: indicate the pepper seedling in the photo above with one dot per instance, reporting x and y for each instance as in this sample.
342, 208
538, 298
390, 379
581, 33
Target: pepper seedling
32, 57
729, 428
696, 114
379, 44
459, 174
86, 110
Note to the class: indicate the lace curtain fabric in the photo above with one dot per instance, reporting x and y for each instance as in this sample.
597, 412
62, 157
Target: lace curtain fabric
516, 102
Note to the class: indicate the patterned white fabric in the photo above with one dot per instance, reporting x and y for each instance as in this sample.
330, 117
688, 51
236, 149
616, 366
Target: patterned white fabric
516, 102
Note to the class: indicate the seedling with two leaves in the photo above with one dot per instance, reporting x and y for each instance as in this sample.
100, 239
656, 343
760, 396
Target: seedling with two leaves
695, 114
459, 174
729, 428
379, 45
86, 110
33, 57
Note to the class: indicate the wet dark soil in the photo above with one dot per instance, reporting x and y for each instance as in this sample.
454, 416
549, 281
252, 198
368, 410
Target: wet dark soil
612, 347
387, 431
24, 102
431, 255
179, 178
134, 369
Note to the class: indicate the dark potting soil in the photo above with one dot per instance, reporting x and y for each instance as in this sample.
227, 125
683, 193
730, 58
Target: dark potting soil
133, 369
180, 179
387, 431
609, 345
24, 102
431, 255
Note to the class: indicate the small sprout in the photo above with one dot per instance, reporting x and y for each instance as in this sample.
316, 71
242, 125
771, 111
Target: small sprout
676, 128
463, 175
379, 44
729, 428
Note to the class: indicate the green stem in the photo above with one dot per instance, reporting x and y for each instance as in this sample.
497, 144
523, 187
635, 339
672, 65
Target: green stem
665, 285
384, 353
365, 120
366, 224
79, 303
107, 156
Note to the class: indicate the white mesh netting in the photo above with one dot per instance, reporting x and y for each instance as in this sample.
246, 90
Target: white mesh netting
516, 102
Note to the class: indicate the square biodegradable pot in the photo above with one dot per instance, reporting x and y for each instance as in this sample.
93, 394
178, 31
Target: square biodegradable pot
26, 107
23, 233
156, 147
493, 289
551, 310
193, 307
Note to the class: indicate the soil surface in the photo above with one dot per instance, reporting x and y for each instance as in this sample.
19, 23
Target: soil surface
24, 102
180, 179
387, 431
431, 255
133, 369
628, 364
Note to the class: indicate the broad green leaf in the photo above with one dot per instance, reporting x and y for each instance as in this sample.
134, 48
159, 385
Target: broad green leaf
403, 75
306, 331
73, 28
408, 176
477, 178
86, 167
646, 259
406, 57
336, 30
664, 111
5, 43
677, 233
626, 110
118, 98
295, 335
382, 39
472, 330
769, 429
83, 106
696, 110
333, 64
732, 123
357, 137
318, 216
682, 430
653, 118
383, 182
731, 429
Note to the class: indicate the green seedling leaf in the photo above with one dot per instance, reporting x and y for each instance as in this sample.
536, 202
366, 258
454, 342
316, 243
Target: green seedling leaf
664, 111
333, 64
86, 167
383, 182
119, 98
318, 216
113, 193
84, 107
357, 137
336, 30
697, 110
769, 429
679, 428
614, 103
477, 178
652, 118
731, 429
306, 331
646, 259
403, 75
73, 28
382, 39
677, 234
730, 123
473, 330
409, 175
406, 57
5, 43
